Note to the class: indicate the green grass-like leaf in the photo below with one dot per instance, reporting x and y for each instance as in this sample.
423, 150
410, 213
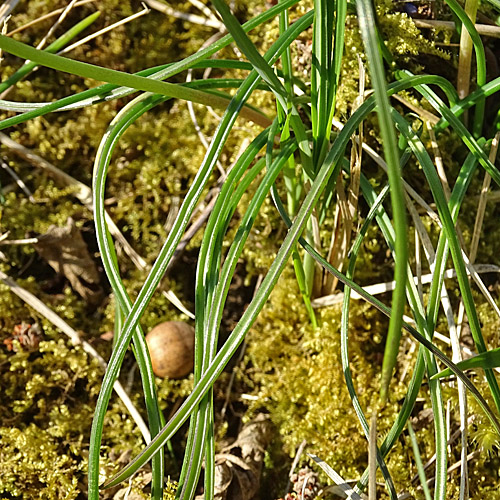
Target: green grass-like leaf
367, 24
486, 361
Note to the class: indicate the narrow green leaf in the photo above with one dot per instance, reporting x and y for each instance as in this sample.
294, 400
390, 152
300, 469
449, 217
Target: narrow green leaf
366, 18
58, 44
249, 49
136, 82
119, 125
480, 61
418, 461
486, 360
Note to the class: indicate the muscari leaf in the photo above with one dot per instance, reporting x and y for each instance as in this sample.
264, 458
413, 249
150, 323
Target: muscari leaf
485, 360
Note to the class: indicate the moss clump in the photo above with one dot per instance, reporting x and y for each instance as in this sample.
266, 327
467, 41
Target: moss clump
32, 465
48, 397
297, 369
298, 378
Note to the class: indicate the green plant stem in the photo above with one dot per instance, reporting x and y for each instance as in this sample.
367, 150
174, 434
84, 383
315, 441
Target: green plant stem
366, 19
468, 37
457, 196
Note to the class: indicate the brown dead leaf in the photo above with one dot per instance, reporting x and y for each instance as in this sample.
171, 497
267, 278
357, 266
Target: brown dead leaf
133, 491
66, 252
28, 335
424, 418
238, 466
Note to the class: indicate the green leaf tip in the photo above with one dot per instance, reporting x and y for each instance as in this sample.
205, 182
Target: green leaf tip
486, 360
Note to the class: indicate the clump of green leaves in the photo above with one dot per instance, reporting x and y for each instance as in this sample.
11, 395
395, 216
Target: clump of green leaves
310, 160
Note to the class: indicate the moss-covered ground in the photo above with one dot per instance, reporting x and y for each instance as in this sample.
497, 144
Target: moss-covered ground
291, 370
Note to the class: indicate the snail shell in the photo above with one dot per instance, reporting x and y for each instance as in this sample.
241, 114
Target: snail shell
171, 347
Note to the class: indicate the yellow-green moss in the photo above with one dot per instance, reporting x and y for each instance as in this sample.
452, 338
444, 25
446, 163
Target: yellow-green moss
298, 378
32, 465
297, 369
49, 394
48, 399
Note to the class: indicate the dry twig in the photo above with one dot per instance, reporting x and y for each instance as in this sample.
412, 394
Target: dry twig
193, 18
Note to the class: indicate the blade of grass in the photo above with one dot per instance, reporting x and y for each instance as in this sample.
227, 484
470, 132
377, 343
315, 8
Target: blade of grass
206, 279
418, 462
61, 42
417, 377
486, 360
249, 49
468, 38
218, 288
269, 76
388, 232
292, 181
321, 62
459, 192
366, 19
120, 78
422, 236
451, 117
118, 126
356, 404
375, 205
459, 108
